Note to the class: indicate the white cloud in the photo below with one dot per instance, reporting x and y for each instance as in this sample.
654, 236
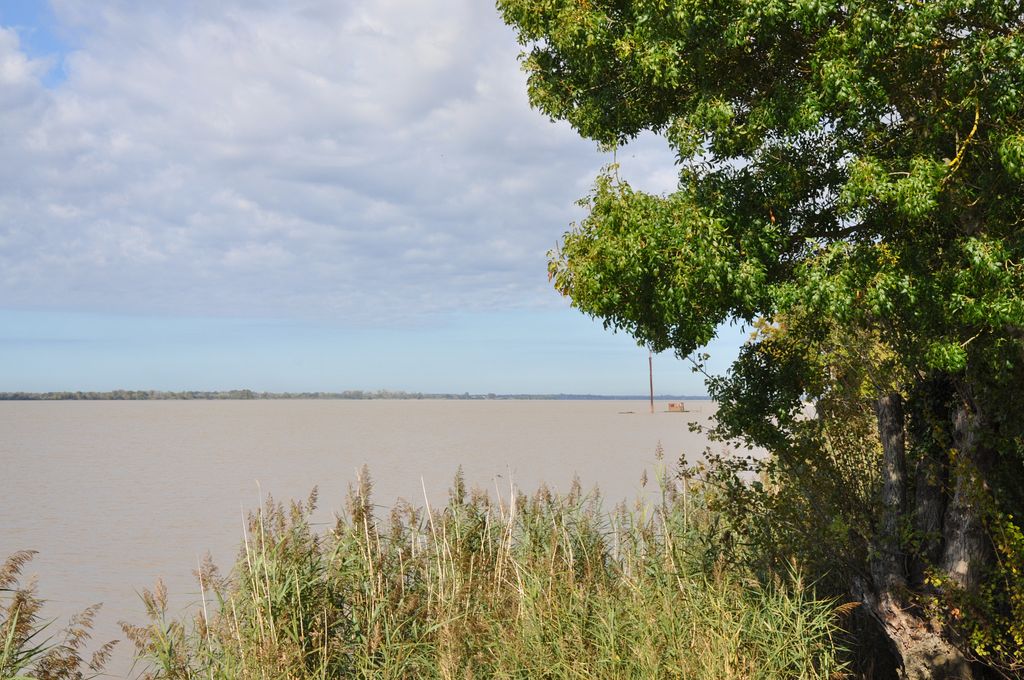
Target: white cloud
362, 160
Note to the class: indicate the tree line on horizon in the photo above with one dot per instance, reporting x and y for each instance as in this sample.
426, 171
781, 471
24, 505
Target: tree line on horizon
246, 394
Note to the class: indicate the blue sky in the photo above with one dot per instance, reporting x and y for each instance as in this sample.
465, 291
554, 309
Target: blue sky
293, 196
40, 35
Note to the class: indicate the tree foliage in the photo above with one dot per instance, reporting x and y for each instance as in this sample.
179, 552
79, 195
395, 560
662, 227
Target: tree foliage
850, 178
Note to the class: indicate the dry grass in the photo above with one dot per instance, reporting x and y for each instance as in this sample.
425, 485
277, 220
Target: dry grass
27, 647
545, 586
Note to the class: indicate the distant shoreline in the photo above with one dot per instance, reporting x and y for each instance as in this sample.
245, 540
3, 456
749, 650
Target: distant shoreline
251, 395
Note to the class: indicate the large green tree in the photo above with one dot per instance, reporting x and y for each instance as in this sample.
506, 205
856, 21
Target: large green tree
850, 181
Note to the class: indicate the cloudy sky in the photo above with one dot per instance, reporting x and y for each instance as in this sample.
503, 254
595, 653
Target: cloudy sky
307, 195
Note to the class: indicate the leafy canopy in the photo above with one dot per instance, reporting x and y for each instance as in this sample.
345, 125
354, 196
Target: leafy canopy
862, 160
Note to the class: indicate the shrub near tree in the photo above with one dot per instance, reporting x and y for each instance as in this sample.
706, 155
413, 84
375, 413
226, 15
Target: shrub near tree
850, 182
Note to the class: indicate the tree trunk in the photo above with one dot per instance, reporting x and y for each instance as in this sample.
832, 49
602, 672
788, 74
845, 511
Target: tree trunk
887, 568
934, 418
966, 552
923, 651
919, 643
930, 483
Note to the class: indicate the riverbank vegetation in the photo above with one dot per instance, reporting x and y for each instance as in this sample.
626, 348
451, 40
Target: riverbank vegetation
546, 586
540, 586
30, 647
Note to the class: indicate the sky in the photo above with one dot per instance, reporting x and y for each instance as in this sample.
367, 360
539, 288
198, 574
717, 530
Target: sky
294, 196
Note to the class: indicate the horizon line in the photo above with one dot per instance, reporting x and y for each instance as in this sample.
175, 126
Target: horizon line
355, 395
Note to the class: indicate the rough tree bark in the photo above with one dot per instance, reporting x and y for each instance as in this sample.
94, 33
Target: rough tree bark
932, 418
920, 644
966, 550
887, 565
930, 481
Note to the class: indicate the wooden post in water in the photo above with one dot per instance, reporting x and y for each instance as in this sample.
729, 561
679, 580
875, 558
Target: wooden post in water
650, 371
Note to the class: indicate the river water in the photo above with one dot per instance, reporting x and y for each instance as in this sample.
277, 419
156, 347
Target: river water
116, 494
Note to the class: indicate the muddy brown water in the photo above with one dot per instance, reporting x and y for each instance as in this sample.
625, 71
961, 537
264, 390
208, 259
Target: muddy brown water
116, 494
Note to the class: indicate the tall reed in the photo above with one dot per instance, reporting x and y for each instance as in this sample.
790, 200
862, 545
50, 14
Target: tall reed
545, 586
28, 646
